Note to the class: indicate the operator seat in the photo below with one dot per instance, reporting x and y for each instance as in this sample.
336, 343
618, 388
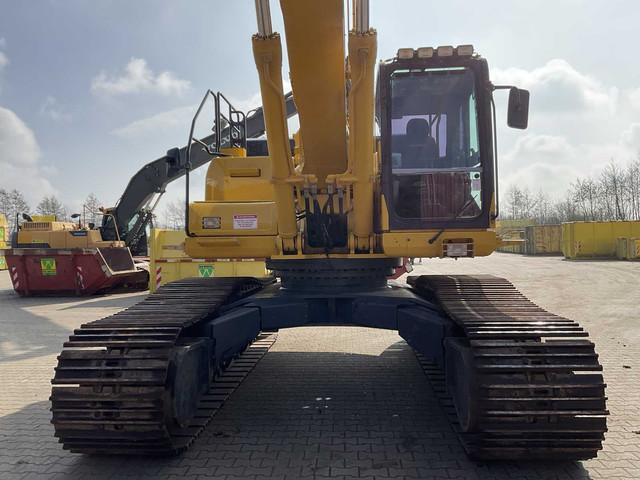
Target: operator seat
420, 148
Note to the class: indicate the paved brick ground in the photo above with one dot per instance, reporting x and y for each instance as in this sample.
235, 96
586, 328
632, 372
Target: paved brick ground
329, 402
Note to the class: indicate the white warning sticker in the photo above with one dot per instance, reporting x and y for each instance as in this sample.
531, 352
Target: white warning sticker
245, 222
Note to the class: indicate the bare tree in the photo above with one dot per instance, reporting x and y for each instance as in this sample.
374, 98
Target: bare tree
633, 188
174, 214
52, 206
12, 203
613, 195
91, 209
613, 185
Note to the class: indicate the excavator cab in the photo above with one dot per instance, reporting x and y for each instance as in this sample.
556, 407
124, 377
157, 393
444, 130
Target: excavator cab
434, 115
438, 162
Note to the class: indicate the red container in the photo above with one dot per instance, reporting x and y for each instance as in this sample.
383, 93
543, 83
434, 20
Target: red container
79, 271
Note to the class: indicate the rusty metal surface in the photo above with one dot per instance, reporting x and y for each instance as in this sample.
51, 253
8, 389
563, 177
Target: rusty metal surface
540, 390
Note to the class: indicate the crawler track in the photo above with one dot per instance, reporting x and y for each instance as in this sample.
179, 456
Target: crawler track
110, 392
537, 379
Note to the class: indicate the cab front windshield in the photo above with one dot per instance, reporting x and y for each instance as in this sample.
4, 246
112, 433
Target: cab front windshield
435, 158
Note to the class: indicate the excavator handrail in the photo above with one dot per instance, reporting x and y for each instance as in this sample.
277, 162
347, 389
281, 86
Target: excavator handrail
154, 177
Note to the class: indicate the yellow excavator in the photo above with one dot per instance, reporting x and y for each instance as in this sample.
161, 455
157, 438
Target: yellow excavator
401, 166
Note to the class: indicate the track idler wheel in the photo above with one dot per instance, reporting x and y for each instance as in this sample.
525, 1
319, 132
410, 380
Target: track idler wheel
462, 382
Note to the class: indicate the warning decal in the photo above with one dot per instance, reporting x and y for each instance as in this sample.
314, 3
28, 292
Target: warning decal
206, 271
245, 222
48, 266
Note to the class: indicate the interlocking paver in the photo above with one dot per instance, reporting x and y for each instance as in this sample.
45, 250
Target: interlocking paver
338, 402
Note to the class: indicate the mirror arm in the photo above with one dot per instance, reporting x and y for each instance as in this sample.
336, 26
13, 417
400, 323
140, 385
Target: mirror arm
502, 87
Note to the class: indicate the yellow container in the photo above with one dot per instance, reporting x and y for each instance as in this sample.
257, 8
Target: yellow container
621, 248
596, 239
633, 249
4, 239
513, 234
628, 248
169, 262
544, 239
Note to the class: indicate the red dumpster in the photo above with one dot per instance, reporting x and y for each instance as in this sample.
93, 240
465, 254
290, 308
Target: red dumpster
80, 271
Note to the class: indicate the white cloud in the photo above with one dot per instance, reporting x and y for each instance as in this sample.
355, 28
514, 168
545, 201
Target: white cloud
539, 162
158, 125
52, 109
552, 162
634, 98
559, 87
19, 158
578, 124
631, 136
4, 60
174, 124
138, 77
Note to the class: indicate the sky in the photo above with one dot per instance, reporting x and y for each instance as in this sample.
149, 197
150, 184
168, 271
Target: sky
91, 90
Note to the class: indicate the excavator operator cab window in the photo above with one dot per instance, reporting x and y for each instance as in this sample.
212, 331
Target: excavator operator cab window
436, 169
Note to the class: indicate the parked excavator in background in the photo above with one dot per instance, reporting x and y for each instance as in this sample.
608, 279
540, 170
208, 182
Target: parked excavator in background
48, 257
333, 218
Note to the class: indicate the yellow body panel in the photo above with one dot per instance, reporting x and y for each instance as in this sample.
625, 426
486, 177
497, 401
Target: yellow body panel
43, 218
234, 219
246, 229
239, 218
416, 244
239, 179
170, 262
62, 235
595, 239
315, 45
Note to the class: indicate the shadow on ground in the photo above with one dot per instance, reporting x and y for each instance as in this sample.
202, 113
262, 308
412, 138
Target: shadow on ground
26, 335
298, 415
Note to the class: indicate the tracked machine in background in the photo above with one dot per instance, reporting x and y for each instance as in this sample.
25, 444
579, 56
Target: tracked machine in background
48, 257
333, 217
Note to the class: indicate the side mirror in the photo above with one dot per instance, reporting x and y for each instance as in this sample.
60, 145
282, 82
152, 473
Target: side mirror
518, 115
